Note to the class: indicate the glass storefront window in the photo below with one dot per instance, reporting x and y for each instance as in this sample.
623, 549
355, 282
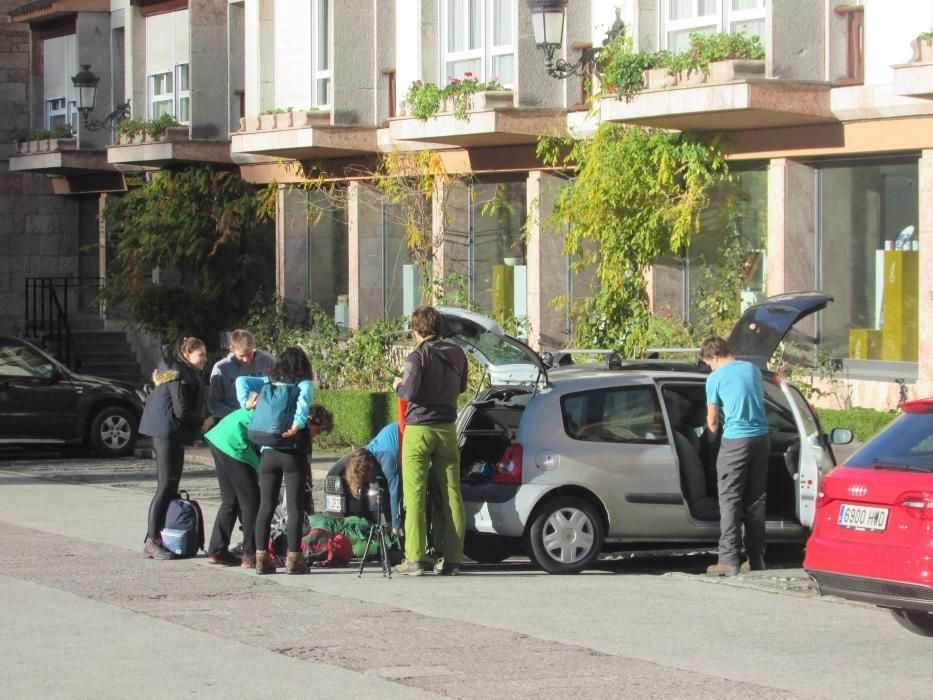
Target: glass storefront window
497, 252
403, 280
868, 251
704, 255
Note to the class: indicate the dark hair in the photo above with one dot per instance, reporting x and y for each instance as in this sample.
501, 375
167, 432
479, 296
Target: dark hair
714, 346
318, 415
427, 321
291, 366
188, 345
359, 470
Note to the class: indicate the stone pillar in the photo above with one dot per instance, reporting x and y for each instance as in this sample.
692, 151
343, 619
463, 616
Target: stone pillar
547, 265
792, 252
354, 70
925, 193
92, 31
210, 94
365, 251
451, 209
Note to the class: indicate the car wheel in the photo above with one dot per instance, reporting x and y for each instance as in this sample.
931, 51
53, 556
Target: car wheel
486, 549
566, 536
113, 432
916, 621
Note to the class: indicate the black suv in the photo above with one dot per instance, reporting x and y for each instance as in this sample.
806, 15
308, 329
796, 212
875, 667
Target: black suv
43, 402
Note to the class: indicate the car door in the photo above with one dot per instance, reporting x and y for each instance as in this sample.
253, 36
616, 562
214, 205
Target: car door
38, 399
815, 456
619, 449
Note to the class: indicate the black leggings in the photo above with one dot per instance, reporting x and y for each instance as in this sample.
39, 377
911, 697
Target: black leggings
239, 495
170, 458
273, 465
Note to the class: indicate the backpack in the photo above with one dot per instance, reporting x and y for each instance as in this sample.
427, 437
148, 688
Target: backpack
183, 533
324, 548
274, 414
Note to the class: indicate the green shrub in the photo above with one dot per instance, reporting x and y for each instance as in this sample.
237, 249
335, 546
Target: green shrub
424, 99
159, 126
62, 131
863, 422
358, 415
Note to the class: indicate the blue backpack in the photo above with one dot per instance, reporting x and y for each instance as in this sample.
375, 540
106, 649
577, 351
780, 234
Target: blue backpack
274, 414
183, 533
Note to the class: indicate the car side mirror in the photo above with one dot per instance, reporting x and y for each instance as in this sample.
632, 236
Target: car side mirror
840, 436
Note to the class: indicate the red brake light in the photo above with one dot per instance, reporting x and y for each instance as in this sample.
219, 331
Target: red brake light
822, 498
512, 460
918, 505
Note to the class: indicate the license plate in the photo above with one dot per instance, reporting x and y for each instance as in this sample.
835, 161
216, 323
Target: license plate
333, 504
863, 517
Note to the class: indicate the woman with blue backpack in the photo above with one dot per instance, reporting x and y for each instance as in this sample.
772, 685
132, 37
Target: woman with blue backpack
172, 418
278, 426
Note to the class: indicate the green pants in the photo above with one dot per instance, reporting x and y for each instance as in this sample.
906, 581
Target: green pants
430, 456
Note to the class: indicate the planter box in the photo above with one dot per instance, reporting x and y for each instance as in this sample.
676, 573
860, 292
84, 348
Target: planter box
482, 101
719, 72
922, 51
306, 117
266, 122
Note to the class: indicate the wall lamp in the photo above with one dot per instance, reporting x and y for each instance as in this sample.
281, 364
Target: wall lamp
85, 83
547, 21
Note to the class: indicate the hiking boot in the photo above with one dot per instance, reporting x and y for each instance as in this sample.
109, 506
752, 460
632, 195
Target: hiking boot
409, 568
753, 564
155, 550
248, 561
295, 563
223, 558
448, 570
265, 563
722, 570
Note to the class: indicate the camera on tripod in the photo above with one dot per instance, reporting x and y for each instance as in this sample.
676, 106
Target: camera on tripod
375, 502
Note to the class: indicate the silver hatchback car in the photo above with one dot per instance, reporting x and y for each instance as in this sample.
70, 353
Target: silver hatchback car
613, 455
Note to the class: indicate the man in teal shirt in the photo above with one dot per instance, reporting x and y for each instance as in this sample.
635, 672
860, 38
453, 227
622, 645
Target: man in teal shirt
742, 465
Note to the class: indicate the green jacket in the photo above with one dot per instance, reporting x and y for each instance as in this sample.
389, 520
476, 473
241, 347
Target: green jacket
229, 436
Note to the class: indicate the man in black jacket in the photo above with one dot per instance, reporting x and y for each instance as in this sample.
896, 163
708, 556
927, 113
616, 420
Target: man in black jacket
435, 375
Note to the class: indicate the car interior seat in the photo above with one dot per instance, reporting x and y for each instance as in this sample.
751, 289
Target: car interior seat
692, 472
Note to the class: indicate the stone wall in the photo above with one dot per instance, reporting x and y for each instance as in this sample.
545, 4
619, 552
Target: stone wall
38, 230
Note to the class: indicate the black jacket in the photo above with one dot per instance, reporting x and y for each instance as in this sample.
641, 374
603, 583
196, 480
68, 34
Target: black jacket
435, 375
173, 407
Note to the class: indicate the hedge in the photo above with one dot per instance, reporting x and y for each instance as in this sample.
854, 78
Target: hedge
358, 415
863, 422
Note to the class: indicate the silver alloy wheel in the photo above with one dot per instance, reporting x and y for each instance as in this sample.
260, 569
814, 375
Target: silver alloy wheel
568, 535
115, 431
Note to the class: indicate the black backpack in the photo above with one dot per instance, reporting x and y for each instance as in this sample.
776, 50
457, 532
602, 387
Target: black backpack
183, 533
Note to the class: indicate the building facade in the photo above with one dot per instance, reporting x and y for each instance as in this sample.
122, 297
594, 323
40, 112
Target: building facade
830, 138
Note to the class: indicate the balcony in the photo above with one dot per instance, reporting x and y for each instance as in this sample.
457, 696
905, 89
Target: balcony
491, 119
55, 9
298, 135
173, 146
913, 79
735, 95
57, 156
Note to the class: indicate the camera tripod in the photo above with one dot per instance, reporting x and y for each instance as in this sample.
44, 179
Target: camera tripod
379, 529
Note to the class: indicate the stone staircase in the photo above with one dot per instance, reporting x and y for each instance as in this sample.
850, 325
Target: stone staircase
104, 353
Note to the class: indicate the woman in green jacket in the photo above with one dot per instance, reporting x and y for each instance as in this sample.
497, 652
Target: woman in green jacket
236, 460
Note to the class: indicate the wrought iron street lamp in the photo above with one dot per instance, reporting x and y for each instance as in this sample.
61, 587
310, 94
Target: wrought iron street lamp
85, 83
547, 21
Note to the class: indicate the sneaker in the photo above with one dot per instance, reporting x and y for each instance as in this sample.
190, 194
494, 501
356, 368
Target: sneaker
223, 558
409, 568
155, 550
722, 570
248, 561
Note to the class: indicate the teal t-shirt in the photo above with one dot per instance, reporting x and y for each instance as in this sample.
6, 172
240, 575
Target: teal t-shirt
737, 387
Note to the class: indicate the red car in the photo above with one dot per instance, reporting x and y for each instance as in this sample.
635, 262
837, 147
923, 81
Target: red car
872, 537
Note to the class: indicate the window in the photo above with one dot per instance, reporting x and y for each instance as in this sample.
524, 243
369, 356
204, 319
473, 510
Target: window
403, 278
322, 54
869, 260
479, 39
623, 414
21, 361
60, 62
303, 54
168, 57
681, 18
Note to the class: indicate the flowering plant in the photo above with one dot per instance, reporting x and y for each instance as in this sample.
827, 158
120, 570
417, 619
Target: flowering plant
424, 100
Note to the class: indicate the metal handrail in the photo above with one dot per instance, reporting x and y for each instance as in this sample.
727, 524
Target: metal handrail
46, 314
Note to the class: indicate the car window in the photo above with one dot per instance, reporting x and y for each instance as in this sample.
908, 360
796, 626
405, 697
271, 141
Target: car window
777, 410
22, 361
623, 414
906, 442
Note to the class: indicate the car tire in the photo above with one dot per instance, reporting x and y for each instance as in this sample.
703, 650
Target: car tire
113, 432
916, 621
566, 536
487, 549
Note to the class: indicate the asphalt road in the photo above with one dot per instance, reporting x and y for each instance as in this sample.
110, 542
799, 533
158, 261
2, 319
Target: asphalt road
86, 616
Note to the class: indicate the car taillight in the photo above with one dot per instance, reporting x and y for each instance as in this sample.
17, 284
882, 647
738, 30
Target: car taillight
822, 498
513, 466
918, 505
